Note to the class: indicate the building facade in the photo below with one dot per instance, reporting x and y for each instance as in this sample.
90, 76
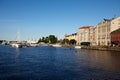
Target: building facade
92, 31
83, 34
103, 32
115, 37
115, 24
99, 34
72, 36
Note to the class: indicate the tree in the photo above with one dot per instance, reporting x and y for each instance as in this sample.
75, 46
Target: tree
43, 39
46, 40
39, 40
65, 41
72, 42
52, 39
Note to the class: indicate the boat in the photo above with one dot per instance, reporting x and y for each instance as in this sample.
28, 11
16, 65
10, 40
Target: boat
57, 45
16, 45
5, 43
33, 45
78, 47
19, 45
43, 44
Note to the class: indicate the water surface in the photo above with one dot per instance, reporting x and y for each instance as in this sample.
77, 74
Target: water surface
50, 63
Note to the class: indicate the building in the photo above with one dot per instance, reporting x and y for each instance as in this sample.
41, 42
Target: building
115, 24
103, 32
99, 34
92, 31
83, 34
72, 36
115, 37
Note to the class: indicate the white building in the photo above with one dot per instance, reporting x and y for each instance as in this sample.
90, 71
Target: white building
92, 35
115, 24
103, 32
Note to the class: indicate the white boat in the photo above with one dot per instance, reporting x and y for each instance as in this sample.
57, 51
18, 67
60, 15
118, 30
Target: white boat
78, 47
19, 45
16, 45
57, 45
33, 45
43, 44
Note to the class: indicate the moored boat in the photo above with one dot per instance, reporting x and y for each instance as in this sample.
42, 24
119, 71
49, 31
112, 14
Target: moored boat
16, 45
78, 47
19, 45
57, 45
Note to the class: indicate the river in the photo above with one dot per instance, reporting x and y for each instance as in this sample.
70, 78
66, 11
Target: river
50, 63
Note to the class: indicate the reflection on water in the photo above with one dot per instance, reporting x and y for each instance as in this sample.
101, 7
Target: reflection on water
100, 59
49, 63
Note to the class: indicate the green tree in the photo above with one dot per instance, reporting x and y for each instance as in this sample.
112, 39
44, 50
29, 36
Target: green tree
65, 41
72, 42
52, 39
43, 39
46, 40
39, 40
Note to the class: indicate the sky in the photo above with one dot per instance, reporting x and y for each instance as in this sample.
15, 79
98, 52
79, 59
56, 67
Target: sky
34, 19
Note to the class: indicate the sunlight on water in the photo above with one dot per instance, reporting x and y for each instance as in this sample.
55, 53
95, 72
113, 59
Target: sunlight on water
50, 63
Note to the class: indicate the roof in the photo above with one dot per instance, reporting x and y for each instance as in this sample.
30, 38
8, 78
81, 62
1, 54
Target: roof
116, 31
84, 27
105, 20
71, 35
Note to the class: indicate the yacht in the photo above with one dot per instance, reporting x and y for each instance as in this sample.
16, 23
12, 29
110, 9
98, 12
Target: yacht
16, 45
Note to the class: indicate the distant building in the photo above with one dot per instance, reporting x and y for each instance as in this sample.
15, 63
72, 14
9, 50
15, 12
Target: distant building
115, 24
115, 37
72, 36
103, 32
83, 34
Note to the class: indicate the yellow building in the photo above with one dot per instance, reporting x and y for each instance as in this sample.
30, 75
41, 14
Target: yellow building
83, 34
72, 36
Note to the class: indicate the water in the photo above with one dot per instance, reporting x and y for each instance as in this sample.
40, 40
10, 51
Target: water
49, 63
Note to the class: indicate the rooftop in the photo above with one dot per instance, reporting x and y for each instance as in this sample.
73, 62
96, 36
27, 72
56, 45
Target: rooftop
85, 27
71, 35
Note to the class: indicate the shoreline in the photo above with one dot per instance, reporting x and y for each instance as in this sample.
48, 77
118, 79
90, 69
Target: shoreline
101, 48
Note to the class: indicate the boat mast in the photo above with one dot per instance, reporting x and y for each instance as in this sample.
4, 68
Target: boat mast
18, 37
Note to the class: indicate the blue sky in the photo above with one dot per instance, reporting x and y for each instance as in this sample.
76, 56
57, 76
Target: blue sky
38, 18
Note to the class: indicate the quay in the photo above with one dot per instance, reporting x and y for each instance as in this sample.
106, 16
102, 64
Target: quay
102, 48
